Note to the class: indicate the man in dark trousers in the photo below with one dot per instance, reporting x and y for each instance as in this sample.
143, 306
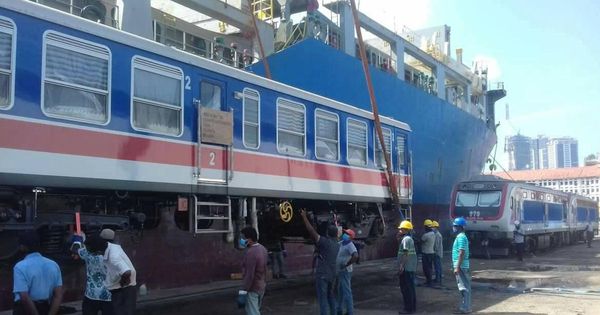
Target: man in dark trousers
519, 240
120, 274
37, 280
407, 266
427, 251
327, 248
254, 268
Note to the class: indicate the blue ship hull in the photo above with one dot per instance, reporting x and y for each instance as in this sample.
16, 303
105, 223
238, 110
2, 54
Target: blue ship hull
449, 145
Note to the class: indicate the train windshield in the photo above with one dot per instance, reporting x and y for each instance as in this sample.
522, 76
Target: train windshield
479, 204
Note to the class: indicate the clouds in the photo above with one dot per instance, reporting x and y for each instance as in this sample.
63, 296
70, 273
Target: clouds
492, 64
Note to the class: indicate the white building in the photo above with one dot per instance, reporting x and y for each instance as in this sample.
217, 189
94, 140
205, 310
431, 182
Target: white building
583, 181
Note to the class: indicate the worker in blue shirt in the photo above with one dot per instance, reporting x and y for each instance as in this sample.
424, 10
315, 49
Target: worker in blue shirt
37, 280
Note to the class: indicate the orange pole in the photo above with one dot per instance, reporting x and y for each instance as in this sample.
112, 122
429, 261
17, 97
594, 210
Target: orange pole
260, 45
77, 223
363, 58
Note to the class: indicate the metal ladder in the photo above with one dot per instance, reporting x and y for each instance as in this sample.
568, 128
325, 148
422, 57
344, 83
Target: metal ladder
263, 9
208, 213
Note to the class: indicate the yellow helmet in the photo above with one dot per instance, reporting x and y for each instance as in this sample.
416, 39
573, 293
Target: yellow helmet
405, 225
427, 223
435, 224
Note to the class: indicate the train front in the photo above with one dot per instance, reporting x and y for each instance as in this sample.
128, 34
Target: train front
482, 204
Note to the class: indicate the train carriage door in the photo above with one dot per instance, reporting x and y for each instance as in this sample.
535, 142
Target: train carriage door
215, 134
402, 167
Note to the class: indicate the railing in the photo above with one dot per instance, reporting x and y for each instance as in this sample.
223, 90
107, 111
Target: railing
102, 11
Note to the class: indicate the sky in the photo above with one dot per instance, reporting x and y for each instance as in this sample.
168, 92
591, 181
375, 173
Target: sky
547, 53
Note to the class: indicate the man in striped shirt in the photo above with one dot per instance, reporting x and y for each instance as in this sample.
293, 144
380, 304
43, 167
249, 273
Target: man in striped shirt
460, 264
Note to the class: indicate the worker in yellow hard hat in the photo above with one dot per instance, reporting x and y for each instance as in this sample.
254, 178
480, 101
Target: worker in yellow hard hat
407, 266
438, 248
427, 252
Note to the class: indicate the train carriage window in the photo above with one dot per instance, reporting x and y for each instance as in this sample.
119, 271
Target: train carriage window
251, 103
210, 95
157, 97
291, 127
489, 199
76, 79
7, 55
466, 199
357, 142
326, 135
387, 139
400, 149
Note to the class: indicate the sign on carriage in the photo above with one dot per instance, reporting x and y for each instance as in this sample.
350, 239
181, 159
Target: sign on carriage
216, 126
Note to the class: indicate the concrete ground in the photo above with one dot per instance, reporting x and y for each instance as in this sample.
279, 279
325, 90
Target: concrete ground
562, 281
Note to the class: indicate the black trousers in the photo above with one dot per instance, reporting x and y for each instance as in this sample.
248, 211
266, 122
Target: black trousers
409, 295
43, 307
427, 260
92, 307
520, 247
123, 300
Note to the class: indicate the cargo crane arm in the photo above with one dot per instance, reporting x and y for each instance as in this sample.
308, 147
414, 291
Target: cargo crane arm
363, 57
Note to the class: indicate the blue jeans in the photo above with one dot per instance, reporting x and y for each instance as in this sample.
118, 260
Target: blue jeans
463, 280
344, 297
253, 302
437, 264
325, 295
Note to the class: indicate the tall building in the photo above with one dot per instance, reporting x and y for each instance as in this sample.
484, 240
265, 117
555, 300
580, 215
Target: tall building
563, 152
525, 153
519, 152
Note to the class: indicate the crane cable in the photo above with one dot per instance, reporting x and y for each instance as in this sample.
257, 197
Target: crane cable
363, 58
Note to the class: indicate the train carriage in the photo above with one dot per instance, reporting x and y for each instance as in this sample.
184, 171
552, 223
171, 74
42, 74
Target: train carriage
118, 127
548, 218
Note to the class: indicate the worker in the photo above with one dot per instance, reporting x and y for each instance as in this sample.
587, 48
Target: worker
407, 266
254, 268
438, 248
519, 240
589, 234
347, 256
460, 265
427, 252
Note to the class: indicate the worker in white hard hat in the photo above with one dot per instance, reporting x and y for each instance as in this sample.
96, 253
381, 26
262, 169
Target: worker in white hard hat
407, 266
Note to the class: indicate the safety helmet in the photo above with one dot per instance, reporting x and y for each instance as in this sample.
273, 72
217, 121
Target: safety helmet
350, 233
460, 222
427, 223
435, 224
517, 222
405, 225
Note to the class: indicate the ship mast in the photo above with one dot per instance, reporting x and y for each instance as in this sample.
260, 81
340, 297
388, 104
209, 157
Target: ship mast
363, 57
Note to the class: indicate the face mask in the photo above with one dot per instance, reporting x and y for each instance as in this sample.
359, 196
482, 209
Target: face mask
243, 243
454, 229
345, 237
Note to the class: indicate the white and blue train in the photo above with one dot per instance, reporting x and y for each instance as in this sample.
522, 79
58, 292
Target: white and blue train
548, 217
119, 128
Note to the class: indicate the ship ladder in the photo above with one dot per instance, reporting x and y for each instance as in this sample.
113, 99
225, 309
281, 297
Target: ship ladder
212, 217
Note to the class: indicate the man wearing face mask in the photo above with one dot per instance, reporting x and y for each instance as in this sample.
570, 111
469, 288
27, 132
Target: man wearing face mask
254, 269
460, 264
347, 256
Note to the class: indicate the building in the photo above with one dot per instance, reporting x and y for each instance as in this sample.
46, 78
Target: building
519, 152
525, 153
583, 180
562, 152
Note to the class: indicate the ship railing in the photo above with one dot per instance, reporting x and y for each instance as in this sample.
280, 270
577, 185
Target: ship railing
102, 11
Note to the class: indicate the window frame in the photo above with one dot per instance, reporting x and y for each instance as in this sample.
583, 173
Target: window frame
13, 60
404, 159
278, 104
364, 123
76, 86
132, 97
244, 95
337, 120
376, 140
